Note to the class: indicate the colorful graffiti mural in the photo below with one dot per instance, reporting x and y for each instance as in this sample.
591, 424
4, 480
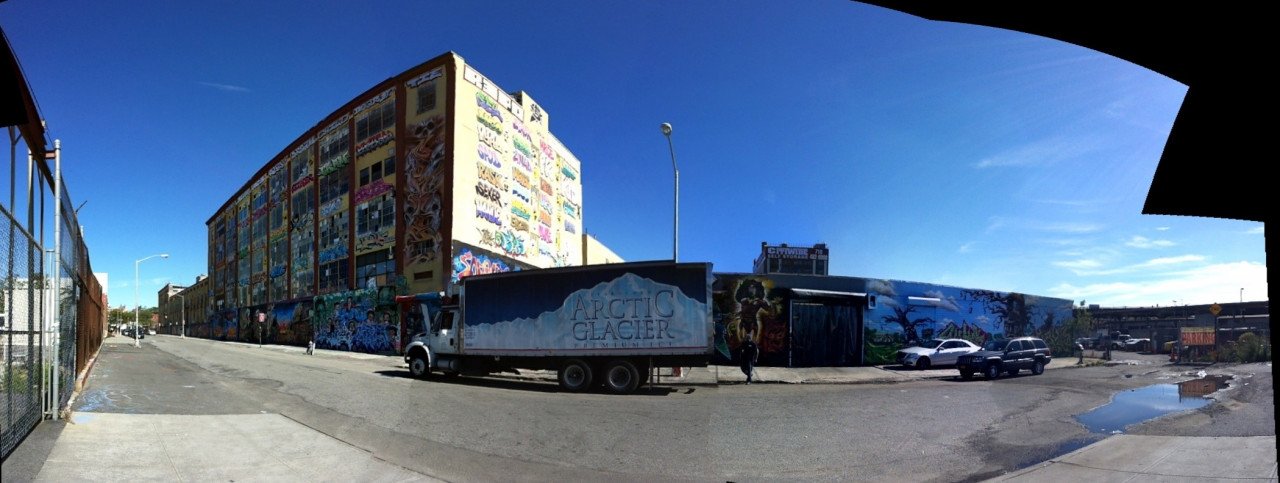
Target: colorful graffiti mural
749, 305
360, 321
425, 170
470, 262
909, 312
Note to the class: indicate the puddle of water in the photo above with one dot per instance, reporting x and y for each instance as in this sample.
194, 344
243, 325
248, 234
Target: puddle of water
1144, 403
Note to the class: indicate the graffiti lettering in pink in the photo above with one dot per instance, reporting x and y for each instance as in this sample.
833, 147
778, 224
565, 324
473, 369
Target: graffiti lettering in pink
520, 129
301, 183
375, 141
544, 233
547, 150
372, 190
522, 161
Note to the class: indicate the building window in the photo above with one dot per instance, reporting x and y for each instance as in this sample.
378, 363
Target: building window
333, 186
334, 231
375, 215
303, 202
378, 170
333, 276
300, 165
374, 266
376, 120
426, 97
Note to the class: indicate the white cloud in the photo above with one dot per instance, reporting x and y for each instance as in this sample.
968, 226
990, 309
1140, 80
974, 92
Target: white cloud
1087, 267
944, 301
1071, 227
1257, 230
1038, 153
1202, 285
1074, 228
967, 247
1144, 242
224, 87
1162, 228
1078, 264
1170, 261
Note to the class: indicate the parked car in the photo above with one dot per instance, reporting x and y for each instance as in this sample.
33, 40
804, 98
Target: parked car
151, 332
1007, 356
935, 352
130, 331
1118, 340
1138, 345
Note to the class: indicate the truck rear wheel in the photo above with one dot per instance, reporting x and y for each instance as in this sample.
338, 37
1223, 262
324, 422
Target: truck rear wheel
621, 376
575, 375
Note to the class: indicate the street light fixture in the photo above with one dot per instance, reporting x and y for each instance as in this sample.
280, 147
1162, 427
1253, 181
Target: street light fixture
135, 294
675, 223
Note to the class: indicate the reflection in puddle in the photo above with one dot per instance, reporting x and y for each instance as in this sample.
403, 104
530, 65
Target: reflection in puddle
1144, 403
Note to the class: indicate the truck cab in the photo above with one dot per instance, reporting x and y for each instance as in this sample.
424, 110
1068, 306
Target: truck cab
432, 344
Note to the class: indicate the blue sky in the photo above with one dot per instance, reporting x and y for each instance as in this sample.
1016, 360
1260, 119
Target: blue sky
917, 150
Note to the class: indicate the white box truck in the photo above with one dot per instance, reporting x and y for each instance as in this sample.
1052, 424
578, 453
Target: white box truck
606, 324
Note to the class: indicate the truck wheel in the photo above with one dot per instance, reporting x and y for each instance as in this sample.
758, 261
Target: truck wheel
575, 375
1038, 368
621, 377
418, 365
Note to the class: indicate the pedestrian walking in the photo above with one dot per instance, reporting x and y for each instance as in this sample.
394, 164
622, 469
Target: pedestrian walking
747, 356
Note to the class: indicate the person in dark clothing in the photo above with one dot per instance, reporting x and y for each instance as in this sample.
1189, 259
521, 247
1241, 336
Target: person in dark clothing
747, 355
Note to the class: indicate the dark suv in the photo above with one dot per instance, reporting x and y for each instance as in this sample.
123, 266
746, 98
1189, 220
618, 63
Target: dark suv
1006, 355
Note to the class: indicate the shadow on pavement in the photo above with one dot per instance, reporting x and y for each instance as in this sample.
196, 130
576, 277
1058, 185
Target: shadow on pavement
28, 457
499, 382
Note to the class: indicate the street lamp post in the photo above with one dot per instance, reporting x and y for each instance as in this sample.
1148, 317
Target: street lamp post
135, 294
675, 222
184, 315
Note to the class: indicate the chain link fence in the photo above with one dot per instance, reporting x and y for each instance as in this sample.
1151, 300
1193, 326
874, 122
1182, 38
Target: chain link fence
52, 311
22, 298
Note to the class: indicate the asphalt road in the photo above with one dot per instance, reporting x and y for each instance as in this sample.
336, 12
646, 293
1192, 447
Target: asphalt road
502, 429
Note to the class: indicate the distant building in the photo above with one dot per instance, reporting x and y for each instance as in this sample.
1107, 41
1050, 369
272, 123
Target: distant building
791, 260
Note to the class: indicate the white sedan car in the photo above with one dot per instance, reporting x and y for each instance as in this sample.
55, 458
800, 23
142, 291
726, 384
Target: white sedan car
935, 352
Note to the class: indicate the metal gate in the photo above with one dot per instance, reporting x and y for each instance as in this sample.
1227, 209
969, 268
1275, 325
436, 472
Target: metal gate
824, 335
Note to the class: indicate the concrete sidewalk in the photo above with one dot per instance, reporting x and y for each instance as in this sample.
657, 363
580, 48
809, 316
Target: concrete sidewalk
238, 447
1134, 458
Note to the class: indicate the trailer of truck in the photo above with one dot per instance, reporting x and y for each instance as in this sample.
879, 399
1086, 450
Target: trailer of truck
601, 324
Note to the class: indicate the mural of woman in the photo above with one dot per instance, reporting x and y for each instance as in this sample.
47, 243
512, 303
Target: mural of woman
751, 302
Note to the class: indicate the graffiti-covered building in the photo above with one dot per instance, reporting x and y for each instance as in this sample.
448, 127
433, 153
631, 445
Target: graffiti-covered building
432, 175
807, 320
